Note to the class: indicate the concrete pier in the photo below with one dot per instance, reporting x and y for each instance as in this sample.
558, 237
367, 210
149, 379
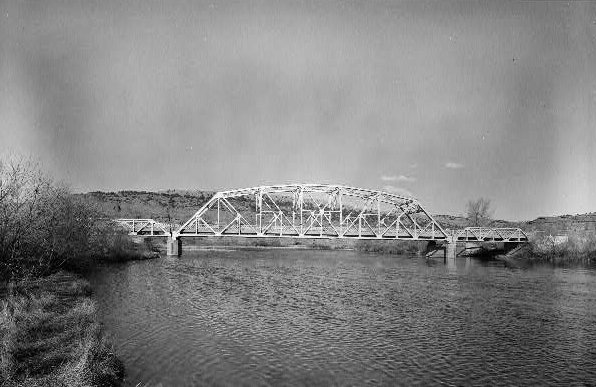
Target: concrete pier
451, 250
174, 247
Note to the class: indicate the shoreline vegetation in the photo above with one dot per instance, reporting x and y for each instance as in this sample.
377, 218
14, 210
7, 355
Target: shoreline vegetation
50, 330
49, 239
52, 337
49, 327
576, 249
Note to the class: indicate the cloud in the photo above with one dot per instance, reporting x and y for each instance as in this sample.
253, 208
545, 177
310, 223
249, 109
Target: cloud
400, 178
397, 191
406, 179
453, 165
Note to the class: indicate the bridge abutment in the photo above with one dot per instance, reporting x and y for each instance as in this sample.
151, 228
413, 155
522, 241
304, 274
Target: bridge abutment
174, 247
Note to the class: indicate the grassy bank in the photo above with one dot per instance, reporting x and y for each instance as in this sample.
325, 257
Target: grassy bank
51, 335
577, 249
49, 328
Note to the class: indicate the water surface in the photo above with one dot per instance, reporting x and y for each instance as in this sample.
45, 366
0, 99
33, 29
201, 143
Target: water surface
301, 317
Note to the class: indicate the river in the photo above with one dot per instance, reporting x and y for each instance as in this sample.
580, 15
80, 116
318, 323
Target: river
308, 317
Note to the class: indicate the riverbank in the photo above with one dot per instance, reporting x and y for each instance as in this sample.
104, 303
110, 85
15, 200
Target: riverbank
394, 247
574, 250
49, 328
51, 335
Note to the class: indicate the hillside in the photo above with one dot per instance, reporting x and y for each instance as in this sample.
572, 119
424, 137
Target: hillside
459, 222
171, 206
176, 206
581, 224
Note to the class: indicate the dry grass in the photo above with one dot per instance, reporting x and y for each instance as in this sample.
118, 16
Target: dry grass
50, 336
576, 250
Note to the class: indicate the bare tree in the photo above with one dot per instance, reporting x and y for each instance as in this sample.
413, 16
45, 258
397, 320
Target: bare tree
479, 212
41, 224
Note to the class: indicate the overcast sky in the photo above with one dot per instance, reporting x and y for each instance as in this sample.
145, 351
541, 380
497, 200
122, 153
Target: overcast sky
447, 101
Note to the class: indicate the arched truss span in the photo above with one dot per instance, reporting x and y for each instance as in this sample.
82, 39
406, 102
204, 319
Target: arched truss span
312, 211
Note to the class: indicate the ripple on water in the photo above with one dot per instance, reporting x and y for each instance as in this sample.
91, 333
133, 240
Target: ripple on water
303, 317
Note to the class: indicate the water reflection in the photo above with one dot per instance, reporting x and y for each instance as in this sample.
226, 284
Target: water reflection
295, 317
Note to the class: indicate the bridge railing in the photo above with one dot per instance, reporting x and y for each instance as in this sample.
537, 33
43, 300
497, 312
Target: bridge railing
489, 234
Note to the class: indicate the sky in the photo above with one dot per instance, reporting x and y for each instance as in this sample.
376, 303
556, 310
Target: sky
444, 101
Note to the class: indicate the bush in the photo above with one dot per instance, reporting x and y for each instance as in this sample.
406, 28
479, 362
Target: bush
41, 224
43, 227
575, 249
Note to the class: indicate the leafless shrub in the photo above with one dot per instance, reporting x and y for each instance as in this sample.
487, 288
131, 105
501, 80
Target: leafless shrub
42, 225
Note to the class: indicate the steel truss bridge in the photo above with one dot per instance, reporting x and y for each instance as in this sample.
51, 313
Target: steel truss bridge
316, 211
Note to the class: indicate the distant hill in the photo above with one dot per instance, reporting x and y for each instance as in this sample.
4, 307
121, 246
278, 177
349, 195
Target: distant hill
458, 222
171, 206
581, 224
177, 206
